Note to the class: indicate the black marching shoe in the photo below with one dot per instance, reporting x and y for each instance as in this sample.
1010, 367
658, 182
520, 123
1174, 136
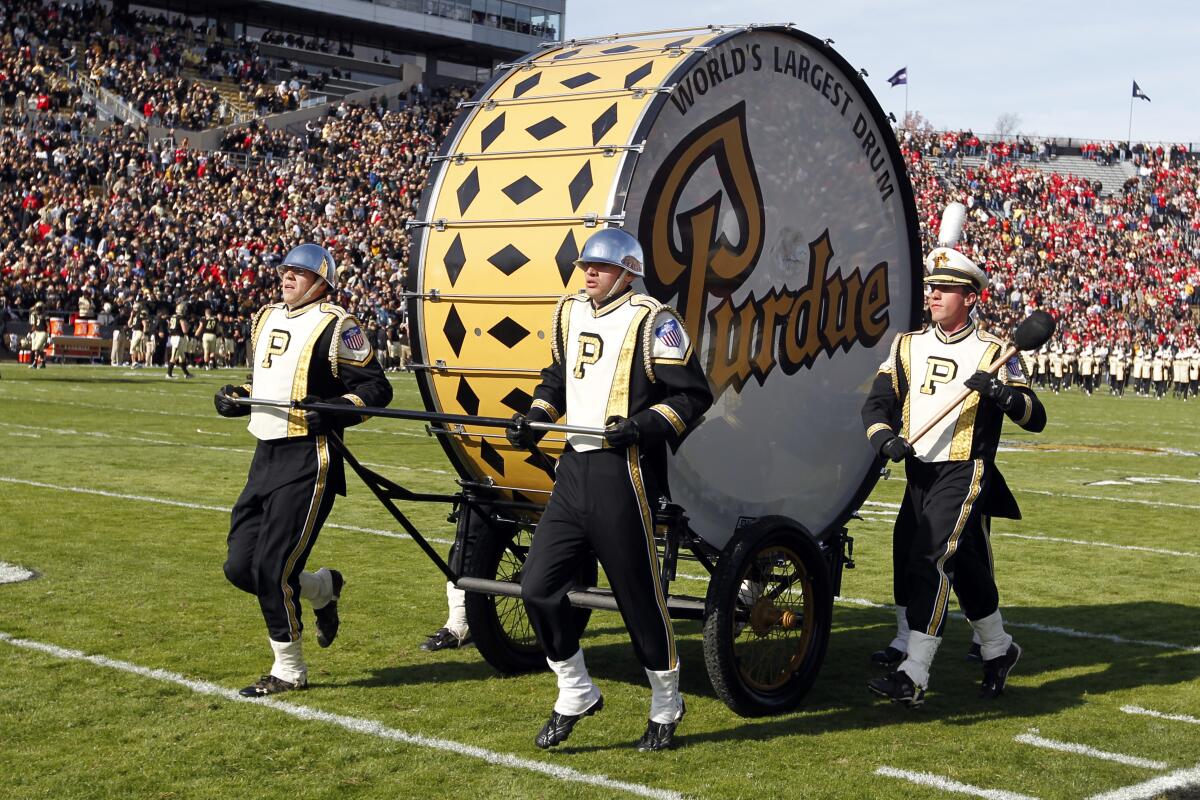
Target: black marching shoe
887, 657
975, 653
559, 726
899, 688
269, 684
445, 639
659, 735
328, 620
995, 672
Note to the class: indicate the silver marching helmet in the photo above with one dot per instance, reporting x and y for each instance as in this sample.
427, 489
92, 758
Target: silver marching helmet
312, 258
613, 246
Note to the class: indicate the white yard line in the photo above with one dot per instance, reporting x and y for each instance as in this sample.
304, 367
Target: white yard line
360, 725
1180, 779
1034, 739
949, 785
1131, 547
198, 506
1145, 712
177, 443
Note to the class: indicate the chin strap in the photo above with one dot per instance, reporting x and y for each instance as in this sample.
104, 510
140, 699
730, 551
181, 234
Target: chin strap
308, 297
616, 289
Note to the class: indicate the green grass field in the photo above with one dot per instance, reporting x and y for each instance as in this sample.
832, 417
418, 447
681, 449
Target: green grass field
115, 485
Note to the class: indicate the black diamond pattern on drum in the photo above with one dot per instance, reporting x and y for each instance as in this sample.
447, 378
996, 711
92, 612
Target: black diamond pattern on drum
625, 48
568, 251
538, 463
580, 185
527, 84
489, 134
677, 43
547, 127
604, 123
566, 54
468, 191
509, 260
508, 332
454, 331
521, 189
518, 400
580, 80
455, 259
632, 78
491, 456
467, 398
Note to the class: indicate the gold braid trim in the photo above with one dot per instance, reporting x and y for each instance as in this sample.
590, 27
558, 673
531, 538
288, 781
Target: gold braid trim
648, 332
556, 327
341, 315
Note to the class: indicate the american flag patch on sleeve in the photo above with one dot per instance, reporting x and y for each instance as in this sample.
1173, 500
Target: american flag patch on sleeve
669, 334
353, 338
1014, 367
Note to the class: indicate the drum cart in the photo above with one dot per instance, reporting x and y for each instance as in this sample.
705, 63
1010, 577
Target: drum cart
767, 611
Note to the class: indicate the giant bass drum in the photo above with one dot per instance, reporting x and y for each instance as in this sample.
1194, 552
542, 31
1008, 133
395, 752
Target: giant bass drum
769, 193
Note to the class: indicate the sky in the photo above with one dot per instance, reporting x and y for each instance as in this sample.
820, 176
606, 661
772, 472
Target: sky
1066, 69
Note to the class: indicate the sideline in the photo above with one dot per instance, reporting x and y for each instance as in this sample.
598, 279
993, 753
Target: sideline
367, 727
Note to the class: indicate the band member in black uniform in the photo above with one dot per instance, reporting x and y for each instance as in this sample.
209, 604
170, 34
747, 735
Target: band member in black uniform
305, 348
951, 472
623, 361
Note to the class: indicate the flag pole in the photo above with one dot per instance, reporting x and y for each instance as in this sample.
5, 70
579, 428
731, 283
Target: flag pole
1129, 133
906, 99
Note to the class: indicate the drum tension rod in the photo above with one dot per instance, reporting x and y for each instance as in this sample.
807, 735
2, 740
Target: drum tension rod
607, 150
441, 223
637, 92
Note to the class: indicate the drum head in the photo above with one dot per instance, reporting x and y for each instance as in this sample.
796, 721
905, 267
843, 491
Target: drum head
761, 178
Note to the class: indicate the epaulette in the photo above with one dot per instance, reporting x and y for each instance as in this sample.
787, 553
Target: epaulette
256, 323
655, 307
340, 316
556, 326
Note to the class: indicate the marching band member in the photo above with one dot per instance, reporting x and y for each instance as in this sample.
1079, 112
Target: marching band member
623, 361
953, 482
304, 348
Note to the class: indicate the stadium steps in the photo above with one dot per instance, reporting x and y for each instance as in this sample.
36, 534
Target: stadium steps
334, 89
229, 92
1110, 178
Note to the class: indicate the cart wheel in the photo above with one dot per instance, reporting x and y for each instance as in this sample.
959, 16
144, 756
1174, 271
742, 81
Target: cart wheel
498, 623
770, 608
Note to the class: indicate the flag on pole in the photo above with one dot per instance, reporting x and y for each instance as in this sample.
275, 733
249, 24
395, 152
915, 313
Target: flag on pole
1137, 92
901, 77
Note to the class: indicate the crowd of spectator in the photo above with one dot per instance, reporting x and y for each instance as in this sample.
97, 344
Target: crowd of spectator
1121, 268
113, 220
143, 230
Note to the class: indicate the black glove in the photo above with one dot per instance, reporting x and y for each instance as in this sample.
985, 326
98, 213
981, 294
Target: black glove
519, 434
322, 422
897, 449
223, 401
991, 387
622, 431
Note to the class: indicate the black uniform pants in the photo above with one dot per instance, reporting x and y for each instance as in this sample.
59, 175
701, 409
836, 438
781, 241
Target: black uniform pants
599, 505
275, 525
949, 546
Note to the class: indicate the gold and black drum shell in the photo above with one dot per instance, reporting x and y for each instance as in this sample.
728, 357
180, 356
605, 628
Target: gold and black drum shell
721, 133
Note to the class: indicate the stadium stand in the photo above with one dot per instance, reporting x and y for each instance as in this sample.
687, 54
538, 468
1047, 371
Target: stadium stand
102, 220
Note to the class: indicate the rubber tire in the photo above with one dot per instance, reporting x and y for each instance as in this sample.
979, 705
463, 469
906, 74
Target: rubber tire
729, 683
499, 625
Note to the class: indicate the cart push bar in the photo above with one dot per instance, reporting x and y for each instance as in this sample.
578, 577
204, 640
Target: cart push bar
417, 416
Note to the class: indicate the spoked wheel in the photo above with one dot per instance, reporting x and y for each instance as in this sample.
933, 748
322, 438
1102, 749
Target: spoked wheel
770, 609
501, 628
